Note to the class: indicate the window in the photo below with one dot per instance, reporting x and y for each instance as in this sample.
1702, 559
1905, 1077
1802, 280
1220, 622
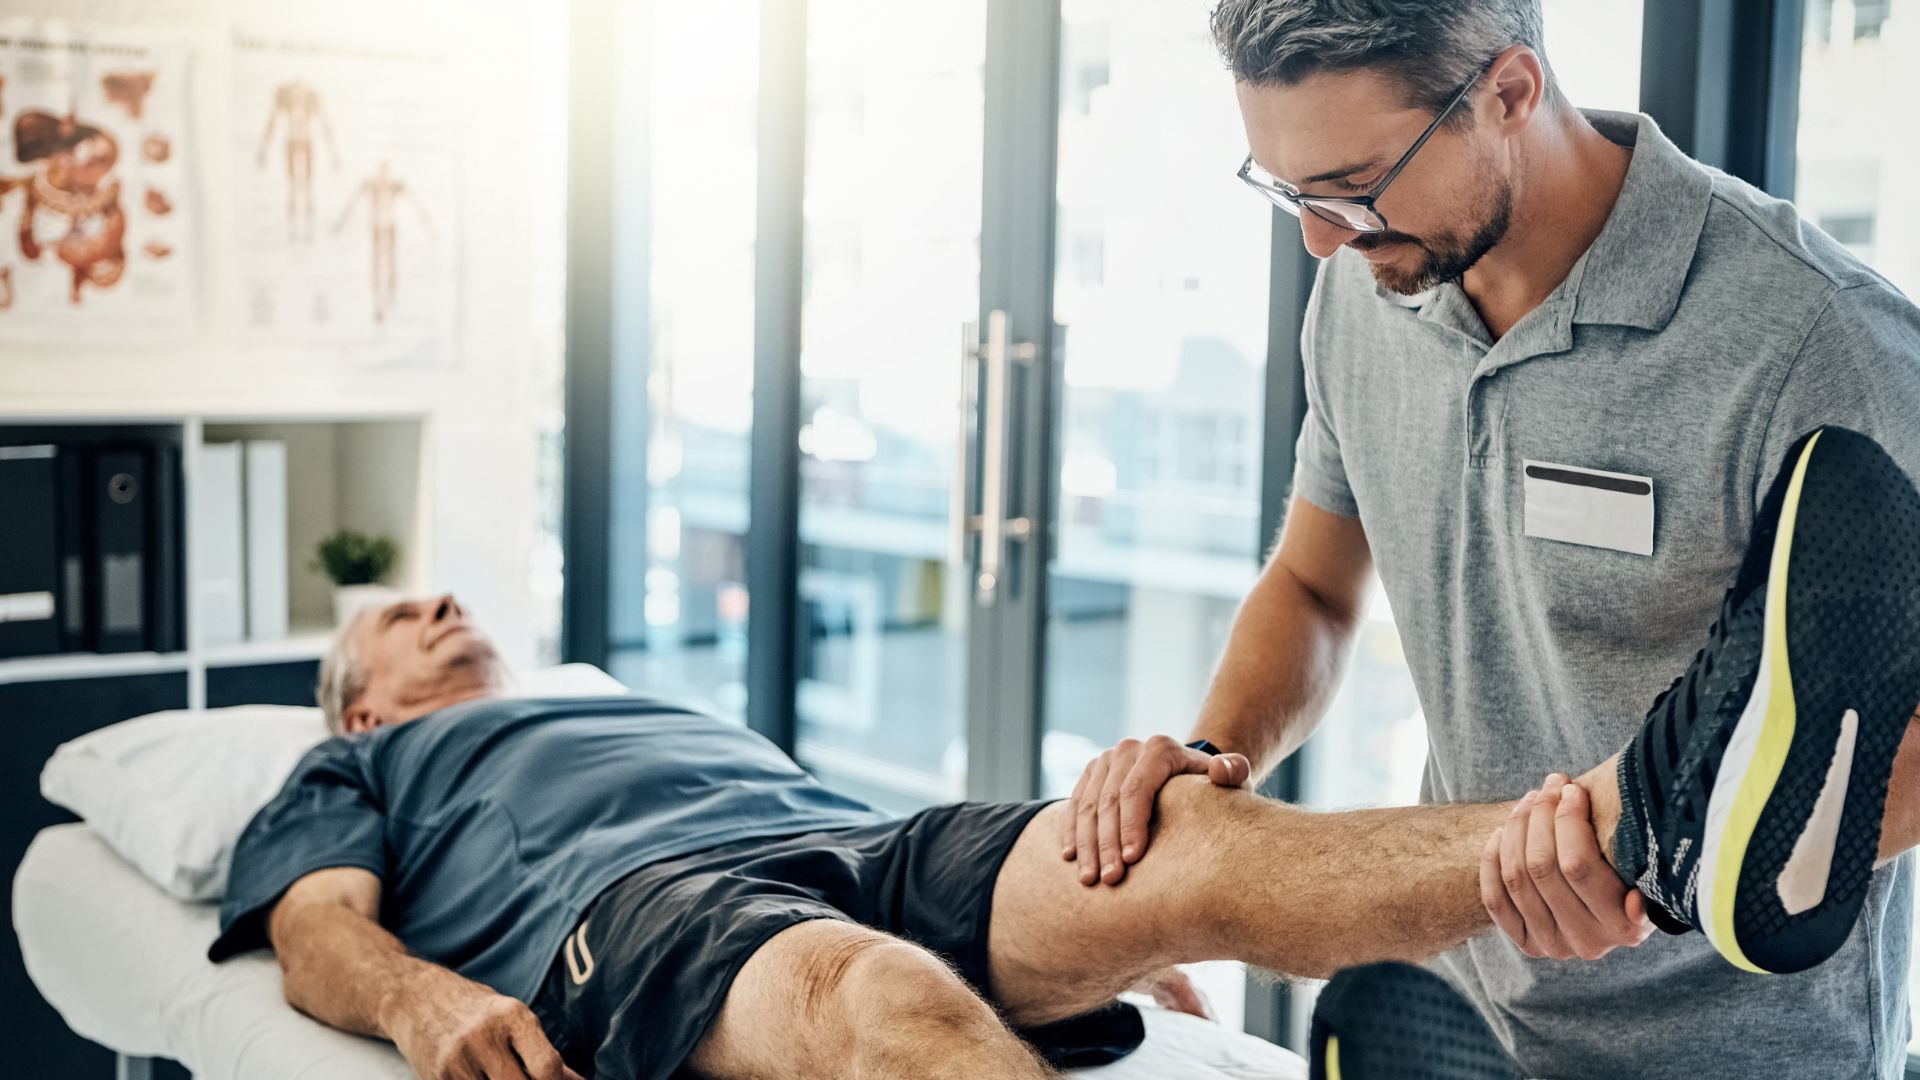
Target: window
892, 269
1856, 172
1855, 175
1593, 47
1163, 338
679, 604
1163, 314
1829, 21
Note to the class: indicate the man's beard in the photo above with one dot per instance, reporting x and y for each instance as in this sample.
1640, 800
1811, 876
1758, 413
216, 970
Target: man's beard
1447, 257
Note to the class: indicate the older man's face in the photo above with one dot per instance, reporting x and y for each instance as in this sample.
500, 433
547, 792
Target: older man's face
420, 654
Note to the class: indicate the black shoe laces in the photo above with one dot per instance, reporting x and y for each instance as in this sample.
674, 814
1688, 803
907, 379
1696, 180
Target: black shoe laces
1677, 772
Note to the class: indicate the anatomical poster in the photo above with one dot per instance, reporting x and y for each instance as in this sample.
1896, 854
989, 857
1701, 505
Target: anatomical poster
344, 204
97, 218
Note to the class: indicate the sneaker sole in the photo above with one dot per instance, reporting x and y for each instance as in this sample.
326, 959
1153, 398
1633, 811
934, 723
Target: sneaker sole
1793, 824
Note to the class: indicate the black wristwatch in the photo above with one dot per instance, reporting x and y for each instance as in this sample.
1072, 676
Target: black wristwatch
1205, 746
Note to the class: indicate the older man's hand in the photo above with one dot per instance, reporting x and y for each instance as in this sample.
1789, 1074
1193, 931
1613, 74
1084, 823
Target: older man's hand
1548, 887
1174, 989
451, 1029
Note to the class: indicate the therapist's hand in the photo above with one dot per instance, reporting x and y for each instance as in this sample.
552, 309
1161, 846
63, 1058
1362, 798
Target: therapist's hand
1548, 887
450, 1028
1113, 802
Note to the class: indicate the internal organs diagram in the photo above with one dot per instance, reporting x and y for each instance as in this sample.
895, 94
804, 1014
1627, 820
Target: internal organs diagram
128, 89
71, 187
300, 105
383, 192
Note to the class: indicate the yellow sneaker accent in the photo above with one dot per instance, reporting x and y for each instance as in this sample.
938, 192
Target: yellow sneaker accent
1333, 1057
1776, 735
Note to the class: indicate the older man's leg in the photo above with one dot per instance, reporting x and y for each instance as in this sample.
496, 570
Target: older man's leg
1233, 876
826, 1000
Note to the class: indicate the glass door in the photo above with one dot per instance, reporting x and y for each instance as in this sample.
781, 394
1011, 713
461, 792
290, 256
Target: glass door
892, 269
1160, 290
684, 341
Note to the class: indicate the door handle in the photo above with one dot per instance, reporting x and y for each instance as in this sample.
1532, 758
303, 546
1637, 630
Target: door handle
961, 521
997, 526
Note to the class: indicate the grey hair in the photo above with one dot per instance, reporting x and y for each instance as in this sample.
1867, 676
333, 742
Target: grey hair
1429, 47
343, 677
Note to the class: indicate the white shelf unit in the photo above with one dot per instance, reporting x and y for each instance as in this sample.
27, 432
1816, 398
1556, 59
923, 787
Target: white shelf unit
362, 470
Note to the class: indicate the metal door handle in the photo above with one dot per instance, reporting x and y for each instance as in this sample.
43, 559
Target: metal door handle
996, 527
960, 516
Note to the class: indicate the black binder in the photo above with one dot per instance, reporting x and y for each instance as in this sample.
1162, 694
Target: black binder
165, 572
120, 500
29, 552
73, 477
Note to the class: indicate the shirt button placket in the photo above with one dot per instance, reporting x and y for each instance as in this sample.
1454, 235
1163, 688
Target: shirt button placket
1481, 417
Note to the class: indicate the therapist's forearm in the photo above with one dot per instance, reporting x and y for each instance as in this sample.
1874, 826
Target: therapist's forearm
1282, 664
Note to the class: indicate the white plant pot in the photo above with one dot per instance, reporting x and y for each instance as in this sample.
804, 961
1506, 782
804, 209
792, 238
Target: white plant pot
348, 600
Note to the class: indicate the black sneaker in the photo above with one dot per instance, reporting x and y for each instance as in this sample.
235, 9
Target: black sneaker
1752, 796
1399, 1022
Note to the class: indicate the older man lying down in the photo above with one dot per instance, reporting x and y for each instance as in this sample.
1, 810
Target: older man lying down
514, 888
519, 888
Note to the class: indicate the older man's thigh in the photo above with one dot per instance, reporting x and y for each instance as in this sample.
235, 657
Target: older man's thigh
816, 995
1057, 947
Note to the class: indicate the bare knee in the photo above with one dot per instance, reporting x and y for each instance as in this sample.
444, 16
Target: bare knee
886, 982
825, 1000
884, 1002
905, 1013
1202, 836
1199, 818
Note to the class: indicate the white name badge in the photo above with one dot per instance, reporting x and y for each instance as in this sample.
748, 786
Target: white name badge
1590, 507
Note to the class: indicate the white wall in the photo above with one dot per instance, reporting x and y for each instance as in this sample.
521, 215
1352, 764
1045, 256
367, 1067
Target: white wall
498, 385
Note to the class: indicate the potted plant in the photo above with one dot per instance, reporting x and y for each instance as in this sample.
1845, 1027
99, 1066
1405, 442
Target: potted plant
358, 565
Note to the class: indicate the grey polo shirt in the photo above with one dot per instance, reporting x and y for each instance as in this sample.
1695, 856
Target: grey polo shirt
1705, 329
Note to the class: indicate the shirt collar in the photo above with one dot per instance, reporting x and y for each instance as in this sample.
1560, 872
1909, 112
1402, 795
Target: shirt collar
1637, 267
1635, 270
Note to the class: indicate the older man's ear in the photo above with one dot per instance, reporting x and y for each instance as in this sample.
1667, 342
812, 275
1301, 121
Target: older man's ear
359, 718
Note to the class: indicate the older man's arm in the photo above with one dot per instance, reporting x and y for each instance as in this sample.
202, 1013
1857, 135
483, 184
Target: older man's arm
345, 970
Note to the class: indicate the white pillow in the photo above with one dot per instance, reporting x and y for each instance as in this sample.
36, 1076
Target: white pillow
171, 791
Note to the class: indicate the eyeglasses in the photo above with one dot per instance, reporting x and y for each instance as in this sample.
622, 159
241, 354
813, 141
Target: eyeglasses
1356, 213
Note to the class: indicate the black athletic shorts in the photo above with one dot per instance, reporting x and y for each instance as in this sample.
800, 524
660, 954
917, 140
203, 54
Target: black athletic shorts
644, 975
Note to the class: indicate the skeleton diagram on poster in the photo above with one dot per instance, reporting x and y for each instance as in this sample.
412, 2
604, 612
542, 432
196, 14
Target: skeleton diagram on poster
96, 217
343, 169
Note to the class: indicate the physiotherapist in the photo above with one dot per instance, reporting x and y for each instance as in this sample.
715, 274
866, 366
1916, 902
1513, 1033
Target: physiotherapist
1551, 363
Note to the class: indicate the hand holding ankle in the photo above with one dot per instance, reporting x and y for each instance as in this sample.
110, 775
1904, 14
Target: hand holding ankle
1547, 885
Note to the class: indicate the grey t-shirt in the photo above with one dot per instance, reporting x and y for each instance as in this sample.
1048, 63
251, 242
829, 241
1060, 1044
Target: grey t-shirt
1703, 331
493, 824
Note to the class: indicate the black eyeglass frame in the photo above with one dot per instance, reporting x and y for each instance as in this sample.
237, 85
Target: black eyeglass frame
1288, 197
